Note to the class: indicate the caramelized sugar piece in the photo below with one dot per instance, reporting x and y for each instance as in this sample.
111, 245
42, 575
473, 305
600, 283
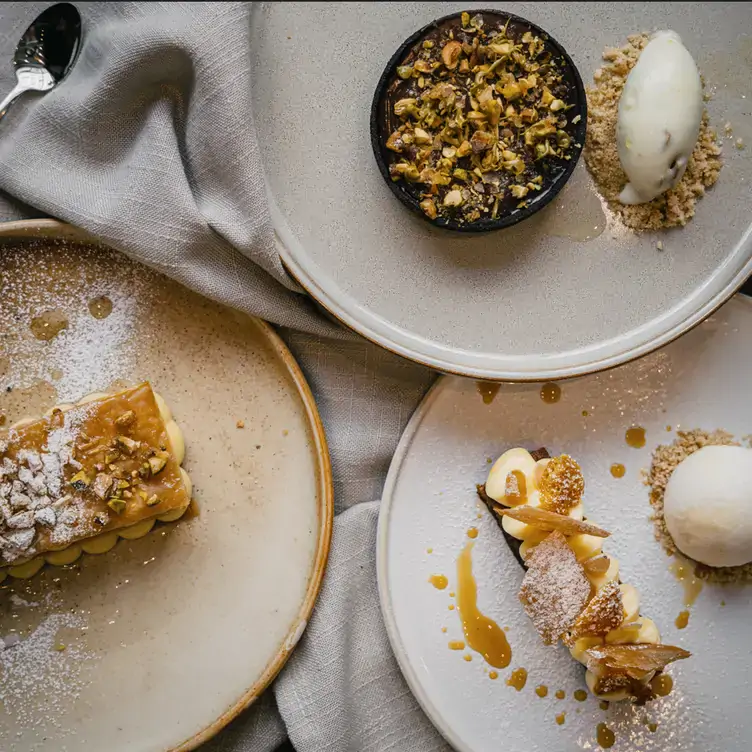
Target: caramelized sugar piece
540, 454
545, 520
604, 613
631, 661
597, 564
561, 485
555, 589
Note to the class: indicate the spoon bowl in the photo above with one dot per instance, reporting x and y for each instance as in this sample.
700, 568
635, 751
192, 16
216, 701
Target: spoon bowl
46, 52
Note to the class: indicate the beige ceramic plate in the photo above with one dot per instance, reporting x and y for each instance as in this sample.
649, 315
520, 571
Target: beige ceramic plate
531, 302
169, 637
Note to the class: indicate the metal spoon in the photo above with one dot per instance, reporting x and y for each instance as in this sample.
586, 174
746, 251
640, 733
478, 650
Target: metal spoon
46, 51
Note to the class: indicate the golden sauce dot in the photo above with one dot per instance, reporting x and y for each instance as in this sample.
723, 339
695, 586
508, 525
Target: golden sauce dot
635, 437
560, 718
580, 695
468, 657
451, 606
451, 593
723, 603
668, 428
487, 390
472, 532
585, 413
493, 675
560, 694
101, 307
456, 645
48, 325
603, 704
550, 393
541, 691
662, 685
429, 550
604, 736
444, 629
518, 679
618, 470
439, 581
682, 620
652, 727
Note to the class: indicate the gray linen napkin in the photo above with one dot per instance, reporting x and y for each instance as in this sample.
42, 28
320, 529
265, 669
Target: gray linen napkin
150, 145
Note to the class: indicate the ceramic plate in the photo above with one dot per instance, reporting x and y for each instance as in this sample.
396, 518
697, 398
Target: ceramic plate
169, 637
527, 303
429, 503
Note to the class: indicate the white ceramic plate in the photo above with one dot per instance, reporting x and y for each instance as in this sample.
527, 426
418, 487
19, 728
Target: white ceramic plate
521, 304
429, 501
169, 637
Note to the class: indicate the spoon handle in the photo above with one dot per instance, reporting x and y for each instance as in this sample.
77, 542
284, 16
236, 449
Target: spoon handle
15, 92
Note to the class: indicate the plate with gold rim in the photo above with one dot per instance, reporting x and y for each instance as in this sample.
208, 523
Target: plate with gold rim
431, 522
120, 641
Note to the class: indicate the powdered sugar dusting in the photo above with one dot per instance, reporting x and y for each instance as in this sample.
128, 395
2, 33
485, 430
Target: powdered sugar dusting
42, 672
90, 353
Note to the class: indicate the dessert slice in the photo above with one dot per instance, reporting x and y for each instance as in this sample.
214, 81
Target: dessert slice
85, 475
571, 589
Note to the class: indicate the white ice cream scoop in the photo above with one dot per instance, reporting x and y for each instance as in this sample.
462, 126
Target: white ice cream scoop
660, 111
707, 506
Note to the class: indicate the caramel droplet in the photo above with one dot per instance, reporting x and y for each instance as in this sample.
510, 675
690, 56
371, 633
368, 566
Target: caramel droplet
605, 736
618, 470
580, 695
468, 657
472, 532
635, 437
652, 727
48, 325
541, 691
662, 685
682, 620
603, 704
493, 675
560, 694
456, 645
488, 390
101, 307
439, 581
550, 393
518, 679
560, 718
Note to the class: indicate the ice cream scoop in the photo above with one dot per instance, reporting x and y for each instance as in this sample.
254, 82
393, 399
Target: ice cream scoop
707, 506
660, 111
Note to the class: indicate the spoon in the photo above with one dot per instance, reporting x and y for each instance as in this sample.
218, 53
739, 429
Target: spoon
46, 51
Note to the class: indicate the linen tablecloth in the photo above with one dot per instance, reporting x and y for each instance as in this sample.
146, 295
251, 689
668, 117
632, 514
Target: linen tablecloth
150, 145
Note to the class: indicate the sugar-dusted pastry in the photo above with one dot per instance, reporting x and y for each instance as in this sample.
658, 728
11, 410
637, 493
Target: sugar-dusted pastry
571, 589
85, 475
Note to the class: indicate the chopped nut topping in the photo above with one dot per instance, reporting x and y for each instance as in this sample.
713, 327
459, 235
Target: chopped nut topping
117, 505
631, 661
125, 421
80, 481
152, 501
156, 464
102, 485
128, 445
483, 88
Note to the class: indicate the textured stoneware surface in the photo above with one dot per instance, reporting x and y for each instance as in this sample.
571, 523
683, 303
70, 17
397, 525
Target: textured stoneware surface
522, 303
167, 637
701, 381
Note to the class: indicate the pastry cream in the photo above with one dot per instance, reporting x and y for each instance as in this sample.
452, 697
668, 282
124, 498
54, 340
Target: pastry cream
599, 568
86, 475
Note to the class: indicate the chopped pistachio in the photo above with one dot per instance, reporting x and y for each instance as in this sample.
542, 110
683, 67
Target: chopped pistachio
80, 481
449, 152
511, 92
556, 105
102, 485
465, 18
453, 198
406, 106
157, 464
128, 445
404, 71
464, 149
576, 119
519, 191
428, 44
423, 66
481, 141
117, 505
152, 501
422, 137
125, 421
395, 142
450, 54
429, 208
459, 174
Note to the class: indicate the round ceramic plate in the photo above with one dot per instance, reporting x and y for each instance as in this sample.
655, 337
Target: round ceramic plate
429, 503
169, 637
526, 303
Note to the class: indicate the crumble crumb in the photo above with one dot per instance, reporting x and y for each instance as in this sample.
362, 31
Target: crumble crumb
665, 460
240, 424
671, 209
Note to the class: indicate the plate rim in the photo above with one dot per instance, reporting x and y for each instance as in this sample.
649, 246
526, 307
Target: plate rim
382, 569
30, 229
